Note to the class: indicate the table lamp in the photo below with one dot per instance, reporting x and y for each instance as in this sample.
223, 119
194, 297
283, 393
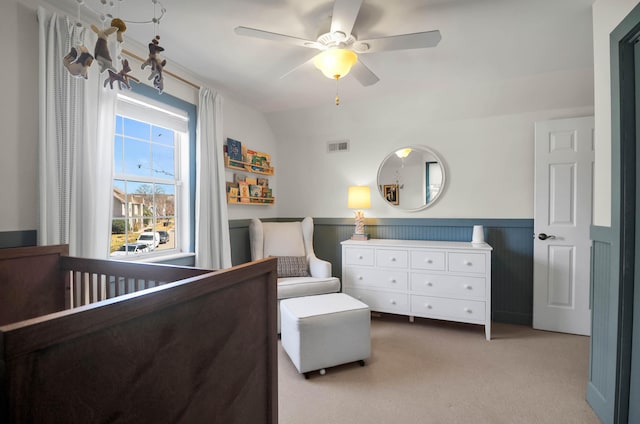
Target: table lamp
359, 198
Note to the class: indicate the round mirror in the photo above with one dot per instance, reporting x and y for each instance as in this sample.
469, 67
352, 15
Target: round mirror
411, 178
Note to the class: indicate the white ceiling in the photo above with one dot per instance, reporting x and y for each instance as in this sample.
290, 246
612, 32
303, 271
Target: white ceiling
482, 41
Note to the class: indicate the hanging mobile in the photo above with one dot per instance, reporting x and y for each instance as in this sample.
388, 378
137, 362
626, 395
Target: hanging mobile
153, 60
101, 50
78, 60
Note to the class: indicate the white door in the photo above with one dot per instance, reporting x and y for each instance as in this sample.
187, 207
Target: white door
564, 154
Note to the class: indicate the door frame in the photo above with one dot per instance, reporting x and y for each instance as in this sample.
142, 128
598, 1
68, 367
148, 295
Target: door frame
623, 200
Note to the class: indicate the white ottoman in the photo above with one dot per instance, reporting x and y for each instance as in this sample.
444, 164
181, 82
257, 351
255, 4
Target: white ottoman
326, 330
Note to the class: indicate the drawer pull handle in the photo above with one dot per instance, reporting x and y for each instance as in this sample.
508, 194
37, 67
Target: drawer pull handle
429, 261
360, 257
360, 278
427, 306
468, 287
429, 283
393, 280
468, 263
393, 302
467, 310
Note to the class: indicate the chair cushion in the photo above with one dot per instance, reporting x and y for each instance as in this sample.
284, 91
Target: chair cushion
283, 239
306, 286
292, 266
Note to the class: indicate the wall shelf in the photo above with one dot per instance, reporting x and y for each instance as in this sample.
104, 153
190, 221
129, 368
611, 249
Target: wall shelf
252, 168
248, 167
253, 201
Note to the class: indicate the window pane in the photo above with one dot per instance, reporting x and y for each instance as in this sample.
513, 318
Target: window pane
136, 129
163, 162
118, 152
137, 157
165, 201
162, 136
119, 124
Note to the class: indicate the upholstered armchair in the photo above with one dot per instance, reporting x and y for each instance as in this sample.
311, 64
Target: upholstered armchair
300, 272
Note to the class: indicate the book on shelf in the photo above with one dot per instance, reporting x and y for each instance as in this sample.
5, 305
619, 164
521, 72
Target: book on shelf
232, 196
252, 181
259, 161
266, 192
255, 190
239, 177
244, 192
234, 149
264, 182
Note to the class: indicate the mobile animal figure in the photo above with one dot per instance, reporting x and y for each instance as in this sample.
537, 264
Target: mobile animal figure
77, 61
122, 77
101, 51
156, 65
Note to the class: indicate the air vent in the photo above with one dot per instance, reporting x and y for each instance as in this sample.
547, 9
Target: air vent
337, 146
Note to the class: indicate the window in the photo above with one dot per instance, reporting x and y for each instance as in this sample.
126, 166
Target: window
152, 200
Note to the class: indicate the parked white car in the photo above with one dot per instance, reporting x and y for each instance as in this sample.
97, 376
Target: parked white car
151, 239
131, 249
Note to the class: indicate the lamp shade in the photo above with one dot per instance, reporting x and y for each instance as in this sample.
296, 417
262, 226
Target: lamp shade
359, 197
335, 63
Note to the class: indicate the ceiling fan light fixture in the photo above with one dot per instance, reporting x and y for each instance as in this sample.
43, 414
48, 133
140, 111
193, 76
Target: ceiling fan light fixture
335, 63
403, 153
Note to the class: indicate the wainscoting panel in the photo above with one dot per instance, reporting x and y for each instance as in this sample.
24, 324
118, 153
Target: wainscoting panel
511, 239
18, 238
602, 367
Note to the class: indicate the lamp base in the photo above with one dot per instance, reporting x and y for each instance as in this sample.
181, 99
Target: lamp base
359, 236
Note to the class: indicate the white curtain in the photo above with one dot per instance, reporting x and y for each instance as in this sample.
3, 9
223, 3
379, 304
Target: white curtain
76, 126
213, 248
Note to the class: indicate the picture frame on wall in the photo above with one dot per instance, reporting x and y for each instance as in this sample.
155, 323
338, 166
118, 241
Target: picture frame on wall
391, 193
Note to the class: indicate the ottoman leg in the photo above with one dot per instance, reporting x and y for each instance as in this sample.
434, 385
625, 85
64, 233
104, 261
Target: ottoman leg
361, 362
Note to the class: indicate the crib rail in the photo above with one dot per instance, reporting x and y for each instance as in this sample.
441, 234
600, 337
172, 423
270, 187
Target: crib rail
93, 280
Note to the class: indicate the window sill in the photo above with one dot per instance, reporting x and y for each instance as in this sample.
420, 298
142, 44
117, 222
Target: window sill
169, 257
155, 258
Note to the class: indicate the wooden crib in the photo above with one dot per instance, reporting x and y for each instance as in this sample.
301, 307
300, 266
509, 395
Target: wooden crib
97, 341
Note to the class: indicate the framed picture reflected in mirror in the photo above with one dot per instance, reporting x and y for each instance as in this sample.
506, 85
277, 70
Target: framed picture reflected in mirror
391, 193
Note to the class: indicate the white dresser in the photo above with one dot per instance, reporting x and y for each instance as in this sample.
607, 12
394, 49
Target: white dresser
432, 279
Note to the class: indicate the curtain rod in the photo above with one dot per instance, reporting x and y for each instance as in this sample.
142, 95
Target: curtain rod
135, 56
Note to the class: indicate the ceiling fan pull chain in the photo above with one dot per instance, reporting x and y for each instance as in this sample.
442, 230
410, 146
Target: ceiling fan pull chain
337, 97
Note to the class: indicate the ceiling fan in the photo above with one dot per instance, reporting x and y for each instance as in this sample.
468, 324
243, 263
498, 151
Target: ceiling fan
340, 48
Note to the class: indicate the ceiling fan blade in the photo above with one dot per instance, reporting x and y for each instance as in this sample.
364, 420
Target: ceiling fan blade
363, 74
344, 15
306, 63
272, 36
416, 40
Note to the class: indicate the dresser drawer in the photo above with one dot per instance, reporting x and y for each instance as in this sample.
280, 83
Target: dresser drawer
448, 285
442, 308
358, 256
372, 277
426, 259
466, 262
392, 258
382, 301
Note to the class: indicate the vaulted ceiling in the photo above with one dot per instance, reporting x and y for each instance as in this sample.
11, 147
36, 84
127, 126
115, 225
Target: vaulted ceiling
482, 41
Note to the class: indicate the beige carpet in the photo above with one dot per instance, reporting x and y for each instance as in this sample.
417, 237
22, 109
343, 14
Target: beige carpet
438, 372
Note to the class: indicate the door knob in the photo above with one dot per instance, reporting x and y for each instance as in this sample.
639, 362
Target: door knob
543, 236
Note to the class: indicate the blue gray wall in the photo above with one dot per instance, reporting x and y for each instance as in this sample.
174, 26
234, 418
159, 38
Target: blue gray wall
18, 238
511, 260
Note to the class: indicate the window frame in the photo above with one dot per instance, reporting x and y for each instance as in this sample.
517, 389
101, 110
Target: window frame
185, 159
